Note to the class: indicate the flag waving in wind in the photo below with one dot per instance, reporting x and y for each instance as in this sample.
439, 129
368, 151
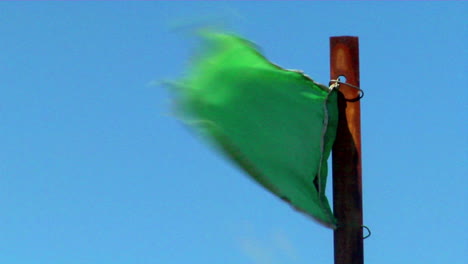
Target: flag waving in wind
277, 125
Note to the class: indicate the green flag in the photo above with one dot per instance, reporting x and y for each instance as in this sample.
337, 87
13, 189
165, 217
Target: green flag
277, 125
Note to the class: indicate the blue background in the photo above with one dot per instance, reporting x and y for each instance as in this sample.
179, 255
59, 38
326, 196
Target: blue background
94, 167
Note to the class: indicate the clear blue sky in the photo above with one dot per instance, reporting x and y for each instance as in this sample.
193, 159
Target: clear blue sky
94, 168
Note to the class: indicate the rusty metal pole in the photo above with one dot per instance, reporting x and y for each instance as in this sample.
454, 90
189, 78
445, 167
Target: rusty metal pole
347, 187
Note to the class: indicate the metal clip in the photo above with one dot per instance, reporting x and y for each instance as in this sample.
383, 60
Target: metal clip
335, 84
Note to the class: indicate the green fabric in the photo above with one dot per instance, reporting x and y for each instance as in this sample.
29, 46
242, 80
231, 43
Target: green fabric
277, 125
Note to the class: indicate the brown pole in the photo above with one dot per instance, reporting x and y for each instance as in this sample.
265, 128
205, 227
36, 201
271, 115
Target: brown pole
347, 188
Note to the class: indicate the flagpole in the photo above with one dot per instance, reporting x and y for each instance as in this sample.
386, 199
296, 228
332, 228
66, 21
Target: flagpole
347, 187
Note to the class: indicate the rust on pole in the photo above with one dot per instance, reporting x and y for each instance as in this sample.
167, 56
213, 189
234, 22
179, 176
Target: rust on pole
347, 184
